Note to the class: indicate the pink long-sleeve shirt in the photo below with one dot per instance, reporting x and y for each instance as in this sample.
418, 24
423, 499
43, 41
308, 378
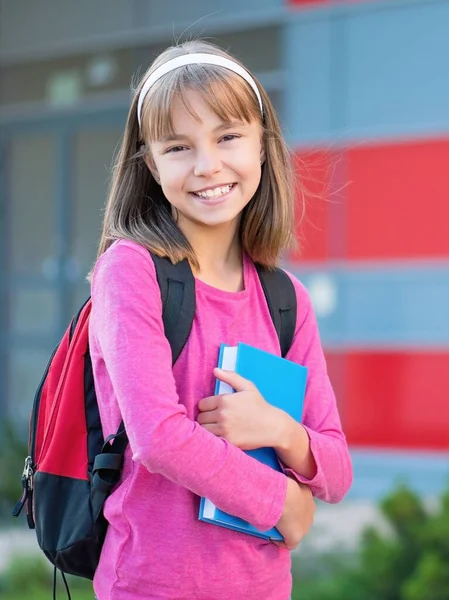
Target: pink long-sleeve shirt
156, 548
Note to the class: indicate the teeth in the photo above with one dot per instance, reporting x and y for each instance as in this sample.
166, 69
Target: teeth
219, 191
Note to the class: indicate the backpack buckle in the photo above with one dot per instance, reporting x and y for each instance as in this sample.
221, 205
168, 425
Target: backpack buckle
27, 490
28, 472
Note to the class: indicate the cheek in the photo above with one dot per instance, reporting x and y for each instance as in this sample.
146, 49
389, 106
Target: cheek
172, 177
252, 170
249, 161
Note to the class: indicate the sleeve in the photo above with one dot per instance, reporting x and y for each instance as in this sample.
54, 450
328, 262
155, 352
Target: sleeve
127, 325
321, 419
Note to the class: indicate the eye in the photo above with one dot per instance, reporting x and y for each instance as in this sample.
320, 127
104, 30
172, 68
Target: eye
175, 149
229, 137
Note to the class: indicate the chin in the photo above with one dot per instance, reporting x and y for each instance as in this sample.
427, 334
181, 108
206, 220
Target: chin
216, 220
216, 223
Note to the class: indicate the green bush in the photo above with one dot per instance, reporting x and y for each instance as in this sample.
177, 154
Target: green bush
409, 563
24, 574
28, 576
13, 451
430, 579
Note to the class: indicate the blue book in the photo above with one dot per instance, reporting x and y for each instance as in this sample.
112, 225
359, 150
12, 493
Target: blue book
282, 383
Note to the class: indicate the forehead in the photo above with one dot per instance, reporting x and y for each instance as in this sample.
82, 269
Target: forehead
213, 98
191, 111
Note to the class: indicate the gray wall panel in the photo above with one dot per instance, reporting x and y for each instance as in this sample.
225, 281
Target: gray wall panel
307, 108
389, 306
37, 25
175, 12
377, 70
48, 27
378, 473
398, 74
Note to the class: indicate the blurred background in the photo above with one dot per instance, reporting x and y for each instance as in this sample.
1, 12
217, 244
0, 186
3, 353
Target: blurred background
362, 92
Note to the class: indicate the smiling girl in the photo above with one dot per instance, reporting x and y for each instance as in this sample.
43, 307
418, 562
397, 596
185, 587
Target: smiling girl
204, 175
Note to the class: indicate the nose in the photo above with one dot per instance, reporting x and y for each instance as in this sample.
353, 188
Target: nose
207, 162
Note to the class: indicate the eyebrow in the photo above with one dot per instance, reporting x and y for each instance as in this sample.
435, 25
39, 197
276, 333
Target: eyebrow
224, 125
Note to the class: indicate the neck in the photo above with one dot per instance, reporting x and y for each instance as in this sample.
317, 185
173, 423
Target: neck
217, 250
219, 254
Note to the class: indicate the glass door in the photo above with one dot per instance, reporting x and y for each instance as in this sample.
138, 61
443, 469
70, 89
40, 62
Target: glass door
54, 179
93, 151
30, 266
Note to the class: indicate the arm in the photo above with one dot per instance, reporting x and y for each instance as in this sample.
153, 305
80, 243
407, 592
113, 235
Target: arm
127, 324
293, 447
316, 452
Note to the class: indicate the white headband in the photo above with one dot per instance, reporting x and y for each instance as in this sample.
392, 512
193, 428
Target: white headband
195, 59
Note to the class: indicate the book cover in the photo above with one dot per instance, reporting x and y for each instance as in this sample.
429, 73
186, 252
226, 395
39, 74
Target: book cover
282, 383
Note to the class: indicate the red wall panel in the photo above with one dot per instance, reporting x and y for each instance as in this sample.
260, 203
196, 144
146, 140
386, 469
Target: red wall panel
397, 200
393, 399
314, 171
305, 2
302, 2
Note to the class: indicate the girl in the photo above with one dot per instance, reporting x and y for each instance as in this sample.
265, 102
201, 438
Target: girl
203, 174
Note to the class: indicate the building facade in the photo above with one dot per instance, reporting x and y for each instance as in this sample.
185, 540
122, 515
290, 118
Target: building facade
361, 88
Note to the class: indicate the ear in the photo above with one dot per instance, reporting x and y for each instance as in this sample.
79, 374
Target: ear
151, 166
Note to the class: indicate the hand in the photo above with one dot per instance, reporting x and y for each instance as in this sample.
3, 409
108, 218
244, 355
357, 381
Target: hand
243, 418
297, 516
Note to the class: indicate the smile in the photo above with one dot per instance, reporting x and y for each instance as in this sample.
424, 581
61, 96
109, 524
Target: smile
214, 192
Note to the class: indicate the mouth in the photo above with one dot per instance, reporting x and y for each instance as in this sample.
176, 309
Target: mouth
214, 195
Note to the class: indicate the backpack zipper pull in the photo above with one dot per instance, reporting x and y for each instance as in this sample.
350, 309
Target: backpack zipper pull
27, 486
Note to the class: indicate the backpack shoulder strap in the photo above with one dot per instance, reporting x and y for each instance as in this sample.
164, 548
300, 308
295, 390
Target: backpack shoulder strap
281, 299
177, 286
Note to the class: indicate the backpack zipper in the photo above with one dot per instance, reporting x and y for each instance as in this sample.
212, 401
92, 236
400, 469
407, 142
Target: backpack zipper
27, 493
30, 465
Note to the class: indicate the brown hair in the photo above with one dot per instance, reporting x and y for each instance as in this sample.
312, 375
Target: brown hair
137, 208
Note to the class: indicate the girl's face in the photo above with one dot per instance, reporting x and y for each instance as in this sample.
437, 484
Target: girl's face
210, 169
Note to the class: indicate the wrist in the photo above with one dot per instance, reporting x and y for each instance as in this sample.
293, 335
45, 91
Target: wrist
289, 499
282, 431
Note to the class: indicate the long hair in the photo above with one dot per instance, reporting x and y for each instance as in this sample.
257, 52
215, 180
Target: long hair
137, 209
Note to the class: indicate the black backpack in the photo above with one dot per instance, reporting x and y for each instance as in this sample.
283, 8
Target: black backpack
70, 469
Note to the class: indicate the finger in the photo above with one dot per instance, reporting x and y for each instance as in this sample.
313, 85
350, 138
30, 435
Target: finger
213, 428
208, 404
279, 544
284, 545
236, 381
205, 418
